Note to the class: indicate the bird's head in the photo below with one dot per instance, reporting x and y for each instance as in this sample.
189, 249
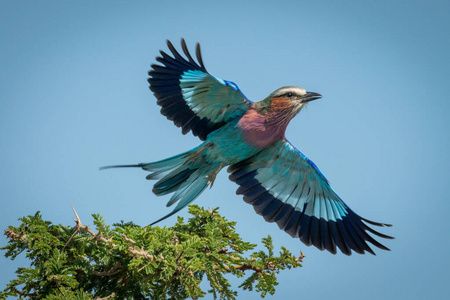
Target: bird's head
286, 100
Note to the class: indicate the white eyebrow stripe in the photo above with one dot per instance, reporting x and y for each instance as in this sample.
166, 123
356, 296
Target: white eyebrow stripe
289, 89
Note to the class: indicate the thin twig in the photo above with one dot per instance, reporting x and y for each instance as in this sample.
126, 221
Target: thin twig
107, 297
127, 239
111, 272
85, 228
141, 252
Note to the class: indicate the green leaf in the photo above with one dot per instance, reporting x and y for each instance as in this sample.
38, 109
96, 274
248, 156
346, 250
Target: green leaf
133, 262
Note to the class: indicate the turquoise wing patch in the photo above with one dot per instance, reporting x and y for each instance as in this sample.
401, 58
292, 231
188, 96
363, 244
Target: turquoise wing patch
285, 187
192, 98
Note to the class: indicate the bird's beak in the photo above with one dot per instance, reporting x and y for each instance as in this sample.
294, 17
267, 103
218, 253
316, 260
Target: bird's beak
310, 96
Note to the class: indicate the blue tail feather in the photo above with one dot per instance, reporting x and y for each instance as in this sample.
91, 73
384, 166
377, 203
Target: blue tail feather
181, 175
172, 181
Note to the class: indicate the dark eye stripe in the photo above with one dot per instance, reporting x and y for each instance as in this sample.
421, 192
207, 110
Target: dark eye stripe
287, 94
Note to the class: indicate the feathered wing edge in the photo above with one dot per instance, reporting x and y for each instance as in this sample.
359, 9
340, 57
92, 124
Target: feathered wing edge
325, 223
165, 84
184, 90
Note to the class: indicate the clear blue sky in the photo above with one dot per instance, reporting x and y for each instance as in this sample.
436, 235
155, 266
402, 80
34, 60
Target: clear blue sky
74, 97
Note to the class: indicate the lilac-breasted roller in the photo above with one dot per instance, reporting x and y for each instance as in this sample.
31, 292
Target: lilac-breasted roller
281, 183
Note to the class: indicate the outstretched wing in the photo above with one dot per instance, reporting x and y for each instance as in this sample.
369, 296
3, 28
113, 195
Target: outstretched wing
285, 187
192, 98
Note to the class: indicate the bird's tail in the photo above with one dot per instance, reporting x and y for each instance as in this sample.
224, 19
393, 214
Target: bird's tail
186, 175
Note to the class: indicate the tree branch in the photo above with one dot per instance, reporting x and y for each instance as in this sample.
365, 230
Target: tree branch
15, 236
107, 297
141, 252
22, 294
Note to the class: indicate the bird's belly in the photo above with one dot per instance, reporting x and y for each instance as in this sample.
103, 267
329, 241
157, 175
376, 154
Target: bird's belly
228, 145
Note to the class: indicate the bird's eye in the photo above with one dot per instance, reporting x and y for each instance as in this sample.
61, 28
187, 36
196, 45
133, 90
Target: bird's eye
289, 94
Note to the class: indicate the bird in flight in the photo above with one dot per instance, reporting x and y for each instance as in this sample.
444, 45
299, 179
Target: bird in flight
281, 183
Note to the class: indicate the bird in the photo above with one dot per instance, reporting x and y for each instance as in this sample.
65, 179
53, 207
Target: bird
248, 138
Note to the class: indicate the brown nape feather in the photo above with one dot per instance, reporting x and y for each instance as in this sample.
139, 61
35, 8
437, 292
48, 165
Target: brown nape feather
273, 105
280, 104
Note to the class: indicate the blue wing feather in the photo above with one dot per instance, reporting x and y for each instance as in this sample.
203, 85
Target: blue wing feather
192, 98
286, 187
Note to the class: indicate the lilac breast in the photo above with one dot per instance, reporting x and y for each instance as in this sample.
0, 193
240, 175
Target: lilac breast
261, 131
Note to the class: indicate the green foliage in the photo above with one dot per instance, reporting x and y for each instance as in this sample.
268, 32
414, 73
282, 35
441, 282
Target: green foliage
126, 261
